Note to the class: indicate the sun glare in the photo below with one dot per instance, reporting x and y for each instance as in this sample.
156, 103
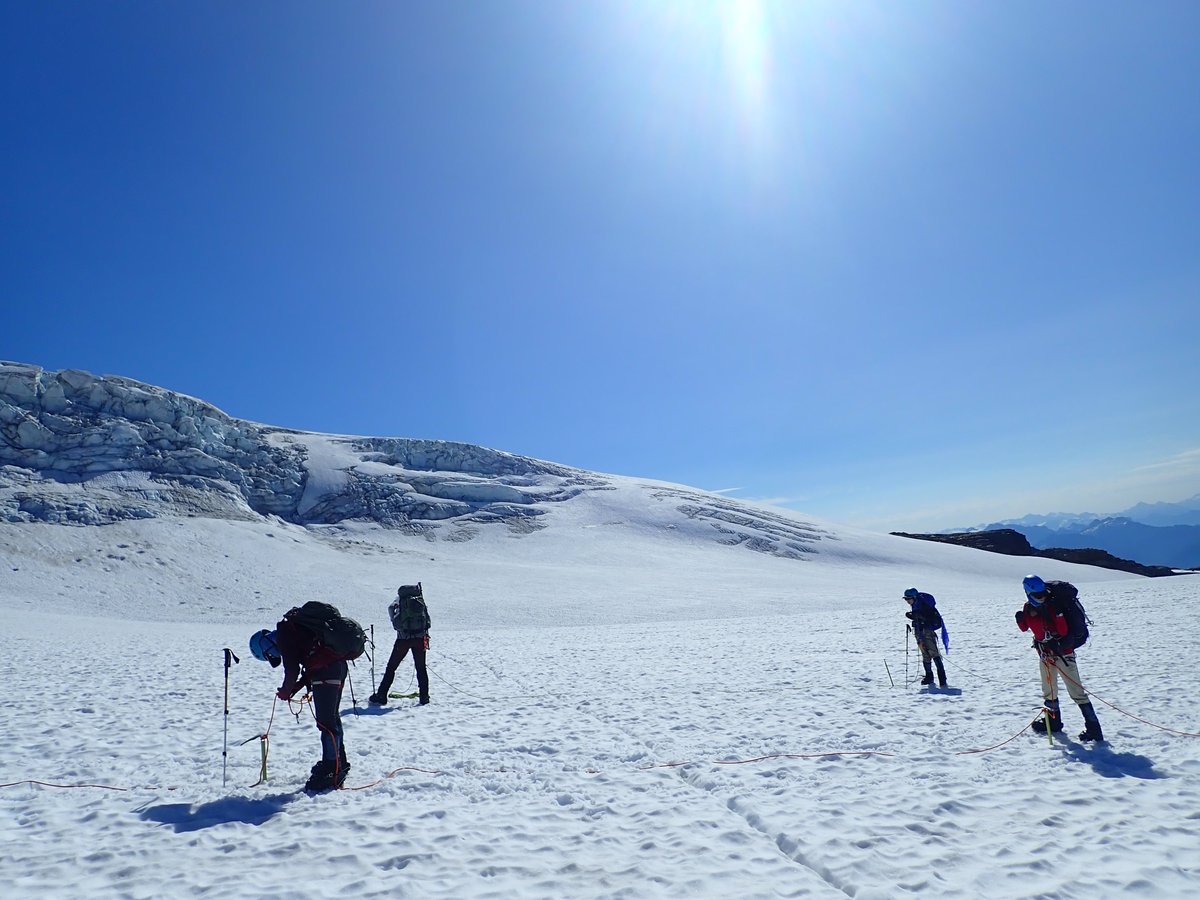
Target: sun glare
708, 80
744, 31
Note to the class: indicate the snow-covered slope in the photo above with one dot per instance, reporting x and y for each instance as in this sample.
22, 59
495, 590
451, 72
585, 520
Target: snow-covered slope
172, 480
714, 722
190, 515
639, 689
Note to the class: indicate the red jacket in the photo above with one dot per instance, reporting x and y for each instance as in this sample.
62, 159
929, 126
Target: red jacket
302, 653
1046, 622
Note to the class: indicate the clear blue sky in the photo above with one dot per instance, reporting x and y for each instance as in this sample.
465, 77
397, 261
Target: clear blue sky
904, 265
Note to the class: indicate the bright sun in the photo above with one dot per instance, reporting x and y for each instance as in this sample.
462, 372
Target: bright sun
746, 55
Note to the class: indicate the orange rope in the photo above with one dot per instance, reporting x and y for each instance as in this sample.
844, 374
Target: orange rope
307, 699
107, 787
742, 762
265, 740
1121, 711
1002, 743
363, 787
337, 762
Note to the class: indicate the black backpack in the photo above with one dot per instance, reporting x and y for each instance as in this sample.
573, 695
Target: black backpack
408, 611
342, 635
1066, 595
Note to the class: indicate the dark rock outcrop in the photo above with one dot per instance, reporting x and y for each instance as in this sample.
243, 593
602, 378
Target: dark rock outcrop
1012, 543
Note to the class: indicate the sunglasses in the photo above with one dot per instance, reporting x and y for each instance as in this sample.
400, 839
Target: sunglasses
1039, 595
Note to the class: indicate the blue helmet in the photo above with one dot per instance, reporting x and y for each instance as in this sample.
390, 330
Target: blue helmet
1035, 588
263, 646
912, 594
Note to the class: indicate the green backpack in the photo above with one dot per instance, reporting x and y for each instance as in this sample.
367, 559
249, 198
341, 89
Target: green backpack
408, 612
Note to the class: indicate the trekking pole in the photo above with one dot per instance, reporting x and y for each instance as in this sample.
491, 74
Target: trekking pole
229, 655
889, 671
907, 632
374, 686
352, 700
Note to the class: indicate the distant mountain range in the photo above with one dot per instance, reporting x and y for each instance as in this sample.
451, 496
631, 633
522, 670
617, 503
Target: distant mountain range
1155, 534
1185, 512
1182, 512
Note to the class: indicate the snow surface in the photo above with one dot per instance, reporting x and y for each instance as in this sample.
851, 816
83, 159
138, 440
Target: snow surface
622, 707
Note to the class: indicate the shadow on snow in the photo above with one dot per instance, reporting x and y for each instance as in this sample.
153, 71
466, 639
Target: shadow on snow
192, 817
942, 691
1113, 765
370, 710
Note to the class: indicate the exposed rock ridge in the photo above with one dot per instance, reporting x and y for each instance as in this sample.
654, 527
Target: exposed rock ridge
1012, 543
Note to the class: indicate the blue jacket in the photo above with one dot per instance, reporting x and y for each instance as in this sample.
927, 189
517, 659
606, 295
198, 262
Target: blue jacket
926, 618
924, 614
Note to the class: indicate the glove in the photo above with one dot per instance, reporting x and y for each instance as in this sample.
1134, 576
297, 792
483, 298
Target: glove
1021, 623
283, 695
1050, 648
908, 615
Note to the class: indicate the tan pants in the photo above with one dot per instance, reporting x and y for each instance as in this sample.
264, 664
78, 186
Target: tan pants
927, 643
1050, 669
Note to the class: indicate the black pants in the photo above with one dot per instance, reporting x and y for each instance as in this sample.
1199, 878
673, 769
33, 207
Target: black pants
327, 685
399, 651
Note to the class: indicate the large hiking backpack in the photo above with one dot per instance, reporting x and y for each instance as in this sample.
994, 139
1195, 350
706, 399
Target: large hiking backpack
1066, 595
341, 634
408, 611
937, 623
925, 614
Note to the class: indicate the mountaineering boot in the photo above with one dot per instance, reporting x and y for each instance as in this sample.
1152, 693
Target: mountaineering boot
928, 679
1092, 732
339, 777
1039, 725
321, 778
424, 701
941, 672
376, 700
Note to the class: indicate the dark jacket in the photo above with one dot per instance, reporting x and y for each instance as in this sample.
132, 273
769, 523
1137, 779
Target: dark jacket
302, 654
924, 614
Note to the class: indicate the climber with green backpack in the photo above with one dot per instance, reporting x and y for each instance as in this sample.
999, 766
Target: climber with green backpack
410, 618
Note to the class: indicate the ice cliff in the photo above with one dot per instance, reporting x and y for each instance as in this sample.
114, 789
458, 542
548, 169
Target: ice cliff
82, 449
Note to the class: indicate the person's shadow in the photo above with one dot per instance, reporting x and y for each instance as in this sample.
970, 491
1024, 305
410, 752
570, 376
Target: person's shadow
1110, 764
192, 817
370, 710
945, 691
